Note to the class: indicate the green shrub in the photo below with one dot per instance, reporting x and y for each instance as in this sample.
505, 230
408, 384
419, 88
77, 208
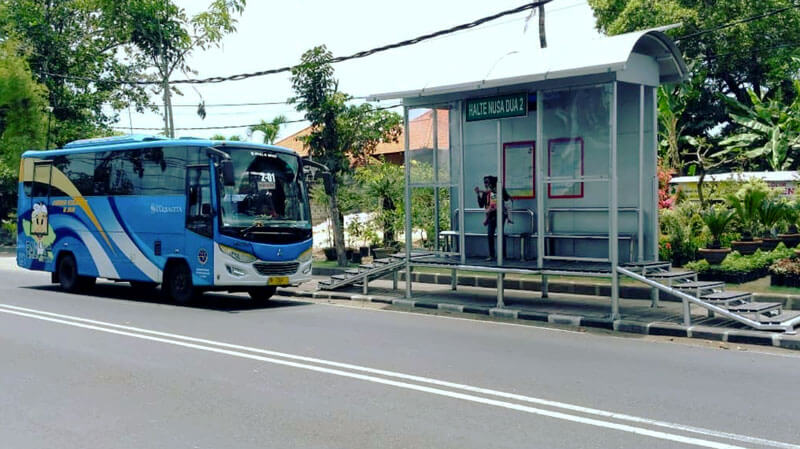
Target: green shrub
698, 265
737, 263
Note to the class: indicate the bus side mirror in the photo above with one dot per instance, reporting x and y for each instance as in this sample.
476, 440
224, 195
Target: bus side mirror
228, 178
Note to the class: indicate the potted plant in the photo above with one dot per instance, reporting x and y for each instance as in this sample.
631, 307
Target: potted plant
770, 213
717, 220
791, 214
330, 253
746, 203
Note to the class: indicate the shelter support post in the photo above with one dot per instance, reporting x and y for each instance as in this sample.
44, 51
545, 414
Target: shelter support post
435, 128
642, 178
499, 216
545, 292
540, 187
461, 196
613, 231
409, 230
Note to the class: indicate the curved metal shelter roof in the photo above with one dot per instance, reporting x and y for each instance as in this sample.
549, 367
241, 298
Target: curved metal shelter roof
602, 55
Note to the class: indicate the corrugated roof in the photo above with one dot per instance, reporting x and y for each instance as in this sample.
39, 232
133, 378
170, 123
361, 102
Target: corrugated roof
601, 55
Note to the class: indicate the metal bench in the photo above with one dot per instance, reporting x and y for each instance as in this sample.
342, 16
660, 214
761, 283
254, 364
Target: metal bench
524, 222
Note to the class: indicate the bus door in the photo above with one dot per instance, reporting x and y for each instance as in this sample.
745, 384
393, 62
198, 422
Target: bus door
39, 247
200, 224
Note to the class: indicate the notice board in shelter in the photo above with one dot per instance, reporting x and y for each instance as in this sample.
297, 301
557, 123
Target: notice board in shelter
519, 169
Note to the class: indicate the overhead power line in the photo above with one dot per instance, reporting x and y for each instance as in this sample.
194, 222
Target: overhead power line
382, 108
737, 22
357, 55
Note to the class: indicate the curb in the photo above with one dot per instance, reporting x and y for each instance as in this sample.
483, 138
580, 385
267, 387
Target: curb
628, 326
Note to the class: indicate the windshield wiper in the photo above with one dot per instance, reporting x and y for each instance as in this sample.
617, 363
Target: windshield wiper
247, 230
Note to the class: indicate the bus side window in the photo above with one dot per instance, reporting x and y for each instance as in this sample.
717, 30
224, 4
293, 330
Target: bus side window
198, 192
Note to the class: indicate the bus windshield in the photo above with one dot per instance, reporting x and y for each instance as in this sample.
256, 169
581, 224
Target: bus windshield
268, 195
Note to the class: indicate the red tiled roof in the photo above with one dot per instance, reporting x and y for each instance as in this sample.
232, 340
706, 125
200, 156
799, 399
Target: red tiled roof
421, 136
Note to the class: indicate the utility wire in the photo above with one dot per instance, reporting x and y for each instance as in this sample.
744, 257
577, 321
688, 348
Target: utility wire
357, 55
233, 126
737, 22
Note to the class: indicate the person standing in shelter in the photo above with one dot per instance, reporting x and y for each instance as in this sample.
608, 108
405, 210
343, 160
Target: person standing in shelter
487, 199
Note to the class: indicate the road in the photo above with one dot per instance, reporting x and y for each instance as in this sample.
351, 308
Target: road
118, 369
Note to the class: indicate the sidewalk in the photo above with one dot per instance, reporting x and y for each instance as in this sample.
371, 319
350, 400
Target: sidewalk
567, 309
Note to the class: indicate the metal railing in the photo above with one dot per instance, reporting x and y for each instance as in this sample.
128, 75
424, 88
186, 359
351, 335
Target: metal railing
787, 327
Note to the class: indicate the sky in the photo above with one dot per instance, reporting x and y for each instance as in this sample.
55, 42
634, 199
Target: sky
274, 34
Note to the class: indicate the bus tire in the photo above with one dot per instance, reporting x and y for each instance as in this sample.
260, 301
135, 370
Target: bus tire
178, 283
68, 277
261, 295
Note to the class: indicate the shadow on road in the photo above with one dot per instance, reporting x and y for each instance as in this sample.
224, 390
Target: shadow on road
219, 301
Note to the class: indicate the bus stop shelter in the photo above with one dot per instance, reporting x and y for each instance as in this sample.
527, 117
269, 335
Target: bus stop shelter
571, 134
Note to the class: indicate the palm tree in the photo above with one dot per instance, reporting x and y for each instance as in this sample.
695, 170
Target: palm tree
270, 129
717, 220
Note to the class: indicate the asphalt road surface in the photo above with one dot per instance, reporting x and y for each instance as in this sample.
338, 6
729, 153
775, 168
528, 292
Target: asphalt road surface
123, 369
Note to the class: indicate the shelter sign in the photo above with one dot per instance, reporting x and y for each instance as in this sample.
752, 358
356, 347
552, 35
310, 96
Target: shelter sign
497, 107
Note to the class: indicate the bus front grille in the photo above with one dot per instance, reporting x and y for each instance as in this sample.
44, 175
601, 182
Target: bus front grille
276, 268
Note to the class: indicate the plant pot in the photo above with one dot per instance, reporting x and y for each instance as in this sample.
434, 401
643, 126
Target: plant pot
364, 251
330, 254
790, 240
382, 253
714, 256
746, 247
768, 243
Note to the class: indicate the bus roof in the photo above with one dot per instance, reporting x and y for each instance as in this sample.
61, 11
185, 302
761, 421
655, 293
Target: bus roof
138, 141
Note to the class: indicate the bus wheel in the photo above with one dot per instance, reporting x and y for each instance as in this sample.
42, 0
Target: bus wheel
262, 295
68, 277
178, 284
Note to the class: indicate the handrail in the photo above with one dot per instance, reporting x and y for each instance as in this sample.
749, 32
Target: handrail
521, 211
687, 318
549, 216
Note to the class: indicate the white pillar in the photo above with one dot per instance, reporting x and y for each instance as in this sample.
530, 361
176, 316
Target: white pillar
642, 183
499, 214
613, 239
461, 196
540, 146
409, 230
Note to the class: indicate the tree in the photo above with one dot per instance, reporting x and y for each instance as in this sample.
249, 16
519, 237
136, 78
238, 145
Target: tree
703, 161
340, 134
22, 119
166, 36
754, 53
233, 138
770, 130
76, 48
270, 129
382, 185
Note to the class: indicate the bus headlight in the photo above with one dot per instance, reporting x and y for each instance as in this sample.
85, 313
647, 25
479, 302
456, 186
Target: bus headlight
305, 256
239, 256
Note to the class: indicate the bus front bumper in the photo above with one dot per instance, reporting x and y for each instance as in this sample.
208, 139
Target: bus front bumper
229, 272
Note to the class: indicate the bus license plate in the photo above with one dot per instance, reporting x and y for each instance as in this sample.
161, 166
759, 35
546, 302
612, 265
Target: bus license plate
278, 280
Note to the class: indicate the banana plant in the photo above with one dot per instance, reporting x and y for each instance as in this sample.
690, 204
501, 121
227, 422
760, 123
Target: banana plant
771, 129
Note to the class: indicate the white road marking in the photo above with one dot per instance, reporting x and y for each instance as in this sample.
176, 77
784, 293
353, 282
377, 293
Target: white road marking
174, 339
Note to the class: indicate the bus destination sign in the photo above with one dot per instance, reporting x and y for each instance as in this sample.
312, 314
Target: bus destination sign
497, 107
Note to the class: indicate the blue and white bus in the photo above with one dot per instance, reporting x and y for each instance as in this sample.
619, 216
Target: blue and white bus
192, 215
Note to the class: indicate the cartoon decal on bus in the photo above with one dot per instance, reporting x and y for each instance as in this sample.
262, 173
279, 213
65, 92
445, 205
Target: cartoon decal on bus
39, 234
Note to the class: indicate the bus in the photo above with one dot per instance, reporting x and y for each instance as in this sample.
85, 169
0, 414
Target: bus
188, 214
